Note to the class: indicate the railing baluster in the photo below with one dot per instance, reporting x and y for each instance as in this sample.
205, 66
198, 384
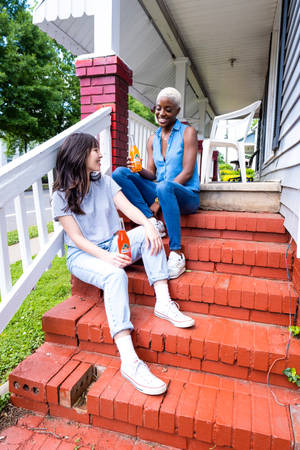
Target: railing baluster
141, 129
22, 228
61, 252
138, 135
5, 277
105, 145
144, 146
50, 185
50, 182
40, 212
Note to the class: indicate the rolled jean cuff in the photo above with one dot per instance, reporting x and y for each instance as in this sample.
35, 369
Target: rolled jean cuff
123, 327
158, 278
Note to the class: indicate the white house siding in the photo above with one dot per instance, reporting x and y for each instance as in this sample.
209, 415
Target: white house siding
285, 165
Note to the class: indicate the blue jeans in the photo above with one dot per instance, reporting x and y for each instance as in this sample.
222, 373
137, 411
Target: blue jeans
174, 199
112, 279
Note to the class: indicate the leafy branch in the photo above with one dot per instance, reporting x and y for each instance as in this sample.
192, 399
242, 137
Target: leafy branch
292, 375
295, 331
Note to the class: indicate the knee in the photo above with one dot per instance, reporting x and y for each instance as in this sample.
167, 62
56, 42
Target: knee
120, 172
140, 234
163, 188
118, 276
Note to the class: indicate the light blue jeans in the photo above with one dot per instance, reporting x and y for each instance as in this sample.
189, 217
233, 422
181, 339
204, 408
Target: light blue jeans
112, 279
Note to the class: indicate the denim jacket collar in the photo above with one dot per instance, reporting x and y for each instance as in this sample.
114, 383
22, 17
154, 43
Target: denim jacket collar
176, 127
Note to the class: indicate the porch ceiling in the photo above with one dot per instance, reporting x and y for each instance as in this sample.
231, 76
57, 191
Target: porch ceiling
153, 32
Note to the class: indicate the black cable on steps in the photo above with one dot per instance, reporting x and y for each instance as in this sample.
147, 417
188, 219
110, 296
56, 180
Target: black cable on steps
288, 344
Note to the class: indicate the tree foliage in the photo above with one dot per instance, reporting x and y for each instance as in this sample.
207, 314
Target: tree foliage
39, 92
140, 109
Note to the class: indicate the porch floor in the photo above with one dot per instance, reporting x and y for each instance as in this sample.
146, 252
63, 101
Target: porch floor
258, 196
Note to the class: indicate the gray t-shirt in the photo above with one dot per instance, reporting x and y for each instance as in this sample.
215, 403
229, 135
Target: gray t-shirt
101, 220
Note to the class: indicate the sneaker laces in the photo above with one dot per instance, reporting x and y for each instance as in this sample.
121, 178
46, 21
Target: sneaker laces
159, 226
144, 372
174, 307
175, 259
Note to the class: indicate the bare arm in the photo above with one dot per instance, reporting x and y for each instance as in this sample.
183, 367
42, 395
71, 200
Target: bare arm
150, 172
152, 237
73, 231
190, 150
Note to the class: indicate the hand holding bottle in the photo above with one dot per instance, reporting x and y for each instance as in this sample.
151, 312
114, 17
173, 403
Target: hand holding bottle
123, 241
134, 161
118, 259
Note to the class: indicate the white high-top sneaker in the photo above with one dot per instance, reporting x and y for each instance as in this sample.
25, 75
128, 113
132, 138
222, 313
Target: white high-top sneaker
138, 373
176, 264
159, 226
169, 310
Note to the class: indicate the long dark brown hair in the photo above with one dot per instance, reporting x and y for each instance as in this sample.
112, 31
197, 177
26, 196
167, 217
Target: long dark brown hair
71, 176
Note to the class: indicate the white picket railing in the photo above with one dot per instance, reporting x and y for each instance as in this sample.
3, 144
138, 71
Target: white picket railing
18, 176
140, 129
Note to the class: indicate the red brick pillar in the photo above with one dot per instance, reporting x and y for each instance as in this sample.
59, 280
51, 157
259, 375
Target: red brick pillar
104, 82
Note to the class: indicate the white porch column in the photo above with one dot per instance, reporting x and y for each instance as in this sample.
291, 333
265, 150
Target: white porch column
202, 113
107, 28
181, 65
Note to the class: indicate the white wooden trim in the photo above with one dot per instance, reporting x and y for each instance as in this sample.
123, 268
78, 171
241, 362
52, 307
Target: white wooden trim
202, 112
105, 147
13, 300
41, 221
272, 85
18, 175
181, 66
22, 227
107, 27
15, 177
5, 277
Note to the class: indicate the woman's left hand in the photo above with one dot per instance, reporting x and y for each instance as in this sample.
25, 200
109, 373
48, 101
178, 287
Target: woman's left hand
153, 239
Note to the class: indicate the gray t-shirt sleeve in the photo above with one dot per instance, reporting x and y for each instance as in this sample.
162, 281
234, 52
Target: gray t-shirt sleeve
115, 188
59, 205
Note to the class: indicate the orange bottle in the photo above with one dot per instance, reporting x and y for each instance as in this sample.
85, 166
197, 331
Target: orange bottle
123, 240
134, 156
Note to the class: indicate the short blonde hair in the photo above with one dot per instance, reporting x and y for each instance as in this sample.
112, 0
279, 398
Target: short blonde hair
170, 93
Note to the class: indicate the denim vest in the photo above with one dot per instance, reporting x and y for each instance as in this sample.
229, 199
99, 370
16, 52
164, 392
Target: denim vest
167, 169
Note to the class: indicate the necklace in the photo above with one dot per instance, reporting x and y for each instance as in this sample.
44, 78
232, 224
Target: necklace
166, 136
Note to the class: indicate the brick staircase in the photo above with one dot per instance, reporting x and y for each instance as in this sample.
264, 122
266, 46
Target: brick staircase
237, 290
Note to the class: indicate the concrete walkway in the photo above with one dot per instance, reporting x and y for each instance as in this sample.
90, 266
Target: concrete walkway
14, 250
44, 432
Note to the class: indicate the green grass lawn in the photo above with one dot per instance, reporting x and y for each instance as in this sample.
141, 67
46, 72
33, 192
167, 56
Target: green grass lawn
13, 238
24, 332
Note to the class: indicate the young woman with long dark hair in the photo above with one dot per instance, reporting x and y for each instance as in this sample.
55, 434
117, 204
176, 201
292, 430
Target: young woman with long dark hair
85, 203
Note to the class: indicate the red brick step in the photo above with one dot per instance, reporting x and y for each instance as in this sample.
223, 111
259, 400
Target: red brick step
219, 345
199, 409
226, 295
258, 259
235, 221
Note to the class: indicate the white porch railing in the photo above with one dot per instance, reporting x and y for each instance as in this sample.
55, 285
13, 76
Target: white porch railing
140, 129
18, 176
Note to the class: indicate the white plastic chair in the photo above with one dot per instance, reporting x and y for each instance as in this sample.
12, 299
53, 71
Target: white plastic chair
209, 145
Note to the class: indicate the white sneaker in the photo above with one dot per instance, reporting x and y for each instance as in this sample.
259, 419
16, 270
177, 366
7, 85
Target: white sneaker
159, 226
142, 379
176, 264
170, 311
